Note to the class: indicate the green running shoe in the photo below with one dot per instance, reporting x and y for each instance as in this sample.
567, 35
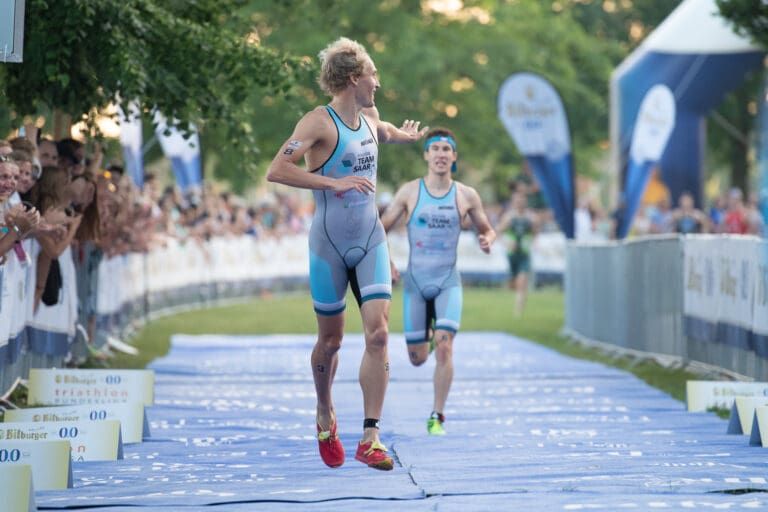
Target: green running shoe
435, 426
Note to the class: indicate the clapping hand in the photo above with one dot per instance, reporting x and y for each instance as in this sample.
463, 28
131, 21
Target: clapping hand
23, 218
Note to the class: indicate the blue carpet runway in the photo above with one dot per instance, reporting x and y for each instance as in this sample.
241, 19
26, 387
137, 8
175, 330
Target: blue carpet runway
528, 429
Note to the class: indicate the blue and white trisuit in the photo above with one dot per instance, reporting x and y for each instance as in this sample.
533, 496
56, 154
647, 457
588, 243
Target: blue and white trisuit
432, 285
347, 243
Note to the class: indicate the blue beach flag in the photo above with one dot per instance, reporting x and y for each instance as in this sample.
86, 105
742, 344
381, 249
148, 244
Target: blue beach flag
654, 124
534, 116
698, 55
184, 153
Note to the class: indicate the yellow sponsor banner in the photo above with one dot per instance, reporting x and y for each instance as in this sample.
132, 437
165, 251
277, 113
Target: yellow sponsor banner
90, 440
52, 386
742, 414
131, 415
706, 394
16, 488
759, 434
51, 461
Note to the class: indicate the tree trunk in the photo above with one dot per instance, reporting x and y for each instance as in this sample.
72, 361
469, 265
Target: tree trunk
62, 125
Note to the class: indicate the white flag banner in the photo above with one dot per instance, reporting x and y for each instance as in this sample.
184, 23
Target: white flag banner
655, 121
184, 153
132, 140
533, 114
654, 124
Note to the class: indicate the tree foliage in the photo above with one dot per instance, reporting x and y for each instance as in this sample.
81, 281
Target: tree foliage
245, 69
191, 59
627, 23
445, 68
749, 18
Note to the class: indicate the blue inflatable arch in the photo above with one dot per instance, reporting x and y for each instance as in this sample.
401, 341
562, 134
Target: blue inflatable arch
698, 56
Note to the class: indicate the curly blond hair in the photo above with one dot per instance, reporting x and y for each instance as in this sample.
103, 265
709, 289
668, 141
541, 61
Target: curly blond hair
340, 60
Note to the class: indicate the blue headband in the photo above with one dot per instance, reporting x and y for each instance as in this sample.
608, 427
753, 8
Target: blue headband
442, 138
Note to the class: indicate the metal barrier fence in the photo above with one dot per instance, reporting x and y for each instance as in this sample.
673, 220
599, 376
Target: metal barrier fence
696, 298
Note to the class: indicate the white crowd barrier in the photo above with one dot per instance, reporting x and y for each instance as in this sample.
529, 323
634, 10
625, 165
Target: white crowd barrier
725, 301
133, 287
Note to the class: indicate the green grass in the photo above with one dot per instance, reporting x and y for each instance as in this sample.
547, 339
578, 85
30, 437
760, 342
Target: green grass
485, 309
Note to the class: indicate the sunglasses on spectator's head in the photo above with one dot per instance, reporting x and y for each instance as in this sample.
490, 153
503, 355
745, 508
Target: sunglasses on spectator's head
5, 158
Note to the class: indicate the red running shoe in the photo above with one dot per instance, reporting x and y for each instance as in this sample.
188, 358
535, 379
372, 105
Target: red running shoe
331, 450
374, 455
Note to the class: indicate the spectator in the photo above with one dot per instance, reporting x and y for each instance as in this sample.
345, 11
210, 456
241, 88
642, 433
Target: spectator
10, 177
171, 225
618, 215
5, 148
602, 225
72, 156
661, 219
735, 220
655, 192
641, 224
717, 212
23, 144
150, 191
28, 173
136, 223
50, 197
110, 209
48, 153
686, 219
18, 221
242, 222
27, 146
87, 254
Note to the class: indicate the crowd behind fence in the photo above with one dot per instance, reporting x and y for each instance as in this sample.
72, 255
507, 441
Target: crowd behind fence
92, 256
79, 237
135, 286
86, 256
